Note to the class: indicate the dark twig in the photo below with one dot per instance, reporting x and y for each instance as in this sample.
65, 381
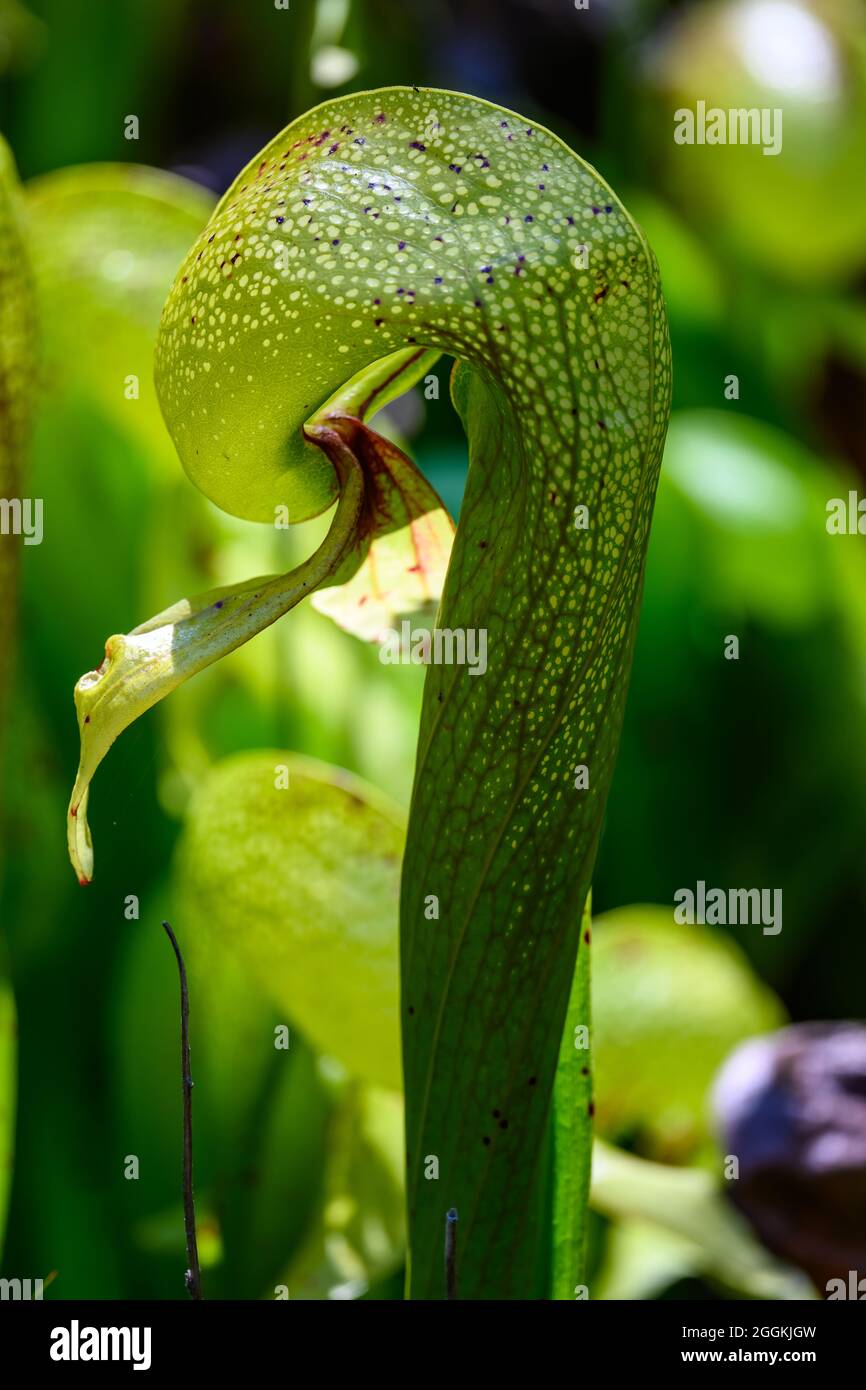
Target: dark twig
193, 1274
451, 1253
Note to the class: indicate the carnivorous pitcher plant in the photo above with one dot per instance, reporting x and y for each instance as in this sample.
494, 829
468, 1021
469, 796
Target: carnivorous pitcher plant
372, 235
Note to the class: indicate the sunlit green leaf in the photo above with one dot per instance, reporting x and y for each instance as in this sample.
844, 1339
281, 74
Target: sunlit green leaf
766, 198
358, 1236
690, 1204
642, 1259
669, 1002
301, 880
105, 241
572, 1131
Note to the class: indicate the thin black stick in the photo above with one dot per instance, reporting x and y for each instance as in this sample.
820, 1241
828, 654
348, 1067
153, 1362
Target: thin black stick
193, 1274
451, 1253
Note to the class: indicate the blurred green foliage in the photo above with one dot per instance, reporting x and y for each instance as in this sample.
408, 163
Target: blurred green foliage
670, 1002
306, 889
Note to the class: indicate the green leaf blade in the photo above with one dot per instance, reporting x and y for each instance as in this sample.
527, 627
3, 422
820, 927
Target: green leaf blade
572, 1131
296, 866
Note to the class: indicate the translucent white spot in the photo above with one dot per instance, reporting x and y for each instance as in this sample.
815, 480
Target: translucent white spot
787, 48
118, 265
